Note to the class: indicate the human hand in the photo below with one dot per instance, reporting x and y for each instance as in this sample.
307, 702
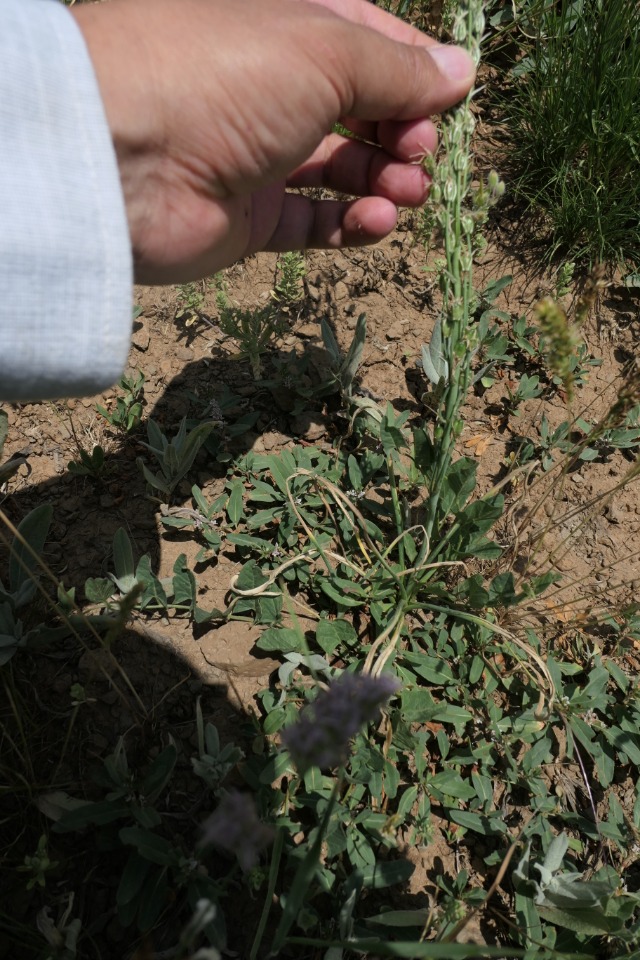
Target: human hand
217, 106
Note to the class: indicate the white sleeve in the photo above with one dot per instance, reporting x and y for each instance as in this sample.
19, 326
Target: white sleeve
65, 255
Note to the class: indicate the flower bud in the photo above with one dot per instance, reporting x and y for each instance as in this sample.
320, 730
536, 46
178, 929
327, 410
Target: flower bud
450, 190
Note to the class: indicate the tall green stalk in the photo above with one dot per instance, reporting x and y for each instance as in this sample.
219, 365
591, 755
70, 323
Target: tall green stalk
460, 213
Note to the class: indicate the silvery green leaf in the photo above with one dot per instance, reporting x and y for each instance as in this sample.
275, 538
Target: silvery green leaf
434, 364
555, 854
284, 675
157, 440
153, 479
570, 892
330, 342
370, 407
353, 359
24, 561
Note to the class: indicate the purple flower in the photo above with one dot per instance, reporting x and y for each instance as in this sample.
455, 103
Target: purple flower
234, 826
322, 734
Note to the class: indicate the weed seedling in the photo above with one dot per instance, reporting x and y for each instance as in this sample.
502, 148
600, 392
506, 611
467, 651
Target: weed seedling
290, 272
90, 464
127, 413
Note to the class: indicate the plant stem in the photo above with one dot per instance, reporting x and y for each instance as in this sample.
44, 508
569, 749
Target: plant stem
397, 509
457, 224
276, 856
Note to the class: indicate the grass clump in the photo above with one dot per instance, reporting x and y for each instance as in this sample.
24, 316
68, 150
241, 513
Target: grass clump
574, 121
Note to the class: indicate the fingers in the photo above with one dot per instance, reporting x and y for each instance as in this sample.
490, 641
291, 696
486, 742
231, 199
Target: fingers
350, 166
409, 141
331, 224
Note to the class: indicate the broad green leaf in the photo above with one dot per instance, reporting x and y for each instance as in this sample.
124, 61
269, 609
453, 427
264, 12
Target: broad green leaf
123, 556
150, 845
458, 485
281, 639
235, 504
450, 713
584, 921
132, 879
495, 287
340, 597
451, 784
331, 633
349, 366
401, 918
418, 706
489, 826
275, 767
105, 811
153, 899
98, 589
386, 873
159, 773
22, 563
250, 576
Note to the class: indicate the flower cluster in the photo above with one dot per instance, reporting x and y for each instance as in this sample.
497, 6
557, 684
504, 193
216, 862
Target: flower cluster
322, 734
234, 826
560, 338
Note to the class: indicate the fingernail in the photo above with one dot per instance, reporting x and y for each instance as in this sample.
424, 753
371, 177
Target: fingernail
454, 62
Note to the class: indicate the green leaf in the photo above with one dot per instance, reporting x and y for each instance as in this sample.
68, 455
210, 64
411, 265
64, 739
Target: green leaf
459, 484
150, 846
386, 873
275, 767
502, 592
350, 364
22, 565
340, 597
98, 589
418, 706
587, 922
479, 823
274, 721
281, 639
451, 784
235, 504
123, 558
459, 716
159, 773
433, 669
250, 576
132, 879
154, 479
495, 287
105, 811
153, 899
330, 342
331, 633
184, 584
401, 918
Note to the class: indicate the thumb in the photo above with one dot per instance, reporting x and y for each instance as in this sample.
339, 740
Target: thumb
387, 80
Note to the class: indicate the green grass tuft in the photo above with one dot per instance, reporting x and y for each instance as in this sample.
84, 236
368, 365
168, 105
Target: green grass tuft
574, 118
